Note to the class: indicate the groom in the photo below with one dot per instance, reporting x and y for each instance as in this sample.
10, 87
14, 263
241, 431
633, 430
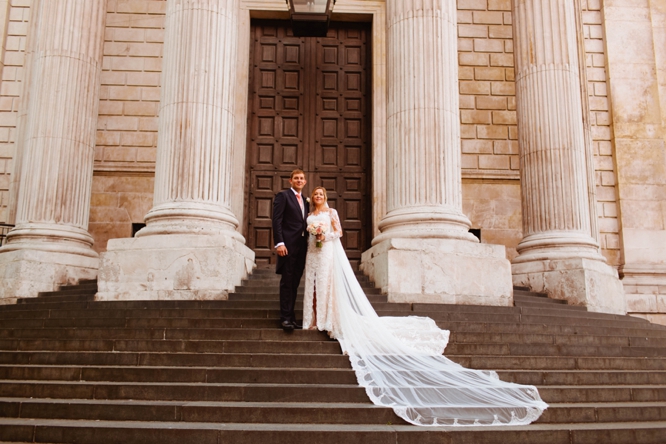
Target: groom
290, 211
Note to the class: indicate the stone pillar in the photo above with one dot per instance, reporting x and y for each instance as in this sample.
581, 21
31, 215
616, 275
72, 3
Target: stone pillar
50, 244
190, 248
424, 251
558, 254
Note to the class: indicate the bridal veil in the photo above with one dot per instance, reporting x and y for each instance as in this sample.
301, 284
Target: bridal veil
400, 363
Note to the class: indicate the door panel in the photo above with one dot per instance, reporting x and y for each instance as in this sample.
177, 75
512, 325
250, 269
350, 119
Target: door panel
309, 109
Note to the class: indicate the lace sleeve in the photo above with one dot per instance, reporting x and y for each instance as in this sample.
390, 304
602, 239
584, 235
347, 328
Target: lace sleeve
336, 227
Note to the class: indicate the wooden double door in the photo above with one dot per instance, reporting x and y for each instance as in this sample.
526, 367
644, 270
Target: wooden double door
309, 108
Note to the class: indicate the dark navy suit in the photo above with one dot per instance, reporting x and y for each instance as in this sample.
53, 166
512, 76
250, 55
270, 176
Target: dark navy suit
289, 226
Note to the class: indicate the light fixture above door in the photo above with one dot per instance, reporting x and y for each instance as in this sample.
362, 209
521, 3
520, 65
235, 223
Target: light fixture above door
310, 18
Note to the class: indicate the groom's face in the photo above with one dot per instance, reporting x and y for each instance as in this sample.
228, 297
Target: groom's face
298, 182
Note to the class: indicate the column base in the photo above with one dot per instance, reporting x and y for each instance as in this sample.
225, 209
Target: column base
444, 271
168, 267
645, 289
580, 281
24, 273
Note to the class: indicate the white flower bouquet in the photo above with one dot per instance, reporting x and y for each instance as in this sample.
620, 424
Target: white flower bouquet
315, 229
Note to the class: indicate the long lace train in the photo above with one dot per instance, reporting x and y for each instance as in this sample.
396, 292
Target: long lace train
399, 361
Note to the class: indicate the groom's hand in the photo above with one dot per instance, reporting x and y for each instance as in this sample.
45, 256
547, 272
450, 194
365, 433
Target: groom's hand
282, 250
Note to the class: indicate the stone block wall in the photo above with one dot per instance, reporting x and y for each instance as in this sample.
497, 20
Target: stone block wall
127, 126
16, 15
490, 162
601, 131
487, 89
130, 92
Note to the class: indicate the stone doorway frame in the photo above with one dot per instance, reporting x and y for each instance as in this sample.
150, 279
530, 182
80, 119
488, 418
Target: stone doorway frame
347, 10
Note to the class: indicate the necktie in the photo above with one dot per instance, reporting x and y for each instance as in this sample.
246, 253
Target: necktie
300, 202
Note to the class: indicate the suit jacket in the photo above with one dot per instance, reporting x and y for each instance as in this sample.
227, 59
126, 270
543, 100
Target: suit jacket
289, 224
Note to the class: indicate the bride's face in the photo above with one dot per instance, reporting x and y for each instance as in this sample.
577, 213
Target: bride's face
318, 197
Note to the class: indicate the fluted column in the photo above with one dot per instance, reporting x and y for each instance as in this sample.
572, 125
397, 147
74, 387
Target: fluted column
50, 244
196, 122
556, 211
58, 146
424, 197
554, 178
190, 248
424, 252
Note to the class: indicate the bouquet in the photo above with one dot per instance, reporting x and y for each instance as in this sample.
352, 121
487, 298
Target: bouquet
315, 229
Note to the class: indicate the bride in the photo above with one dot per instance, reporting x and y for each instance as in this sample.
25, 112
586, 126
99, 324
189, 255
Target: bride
399, 360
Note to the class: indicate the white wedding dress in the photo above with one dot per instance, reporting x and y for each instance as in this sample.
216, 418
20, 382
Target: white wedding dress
399, 360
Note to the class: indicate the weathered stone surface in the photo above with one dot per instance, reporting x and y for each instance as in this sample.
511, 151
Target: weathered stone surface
579, 281
448, 271
165, 267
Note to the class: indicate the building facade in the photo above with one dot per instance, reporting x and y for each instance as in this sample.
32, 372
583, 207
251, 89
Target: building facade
539, 124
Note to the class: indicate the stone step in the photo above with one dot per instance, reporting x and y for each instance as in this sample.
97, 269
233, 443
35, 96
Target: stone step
459, 337
182, 359
541, 328
520, 349
221, 333
606, 393
500, 363
584, 377
55, 299
549, 310
291, 412
177, 391
134, 374
202, 411
274, 289
173, 346
276, 297
123, 322
570, 413
170, 377
164, 334
275, 281
178, 432
515, 362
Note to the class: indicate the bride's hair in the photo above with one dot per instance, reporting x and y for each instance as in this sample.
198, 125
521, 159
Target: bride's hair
313, 192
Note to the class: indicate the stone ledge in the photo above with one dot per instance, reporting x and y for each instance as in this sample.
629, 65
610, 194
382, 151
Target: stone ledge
25, 273
446, 271
166, 267
580, 281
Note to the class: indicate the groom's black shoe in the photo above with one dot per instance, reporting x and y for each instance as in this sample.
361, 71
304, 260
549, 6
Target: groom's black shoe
287, 326
297, 325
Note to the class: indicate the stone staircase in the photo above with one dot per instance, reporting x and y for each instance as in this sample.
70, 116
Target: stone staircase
76, 370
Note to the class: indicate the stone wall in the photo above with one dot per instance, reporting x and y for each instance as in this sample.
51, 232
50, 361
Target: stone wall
127, 125
14, 16
601, 131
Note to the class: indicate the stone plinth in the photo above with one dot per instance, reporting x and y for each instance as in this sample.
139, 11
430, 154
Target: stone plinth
189, 267
445, 271
24, 273
581, 281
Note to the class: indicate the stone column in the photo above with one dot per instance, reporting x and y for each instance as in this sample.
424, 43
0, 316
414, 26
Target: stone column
424, 251
190, 248
50, 244
558, 253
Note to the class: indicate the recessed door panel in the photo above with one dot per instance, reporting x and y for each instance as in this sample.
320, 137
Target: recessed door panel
309, 102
